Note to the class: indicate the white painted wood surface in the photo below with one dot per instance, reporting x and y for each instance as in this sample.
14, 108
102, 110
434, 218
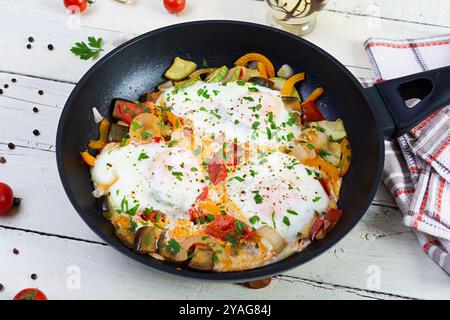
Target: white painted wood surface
52, 238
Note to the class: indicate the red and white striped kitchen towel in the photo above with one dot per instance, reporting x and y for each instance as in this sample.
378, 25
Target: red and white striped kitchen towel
417, 165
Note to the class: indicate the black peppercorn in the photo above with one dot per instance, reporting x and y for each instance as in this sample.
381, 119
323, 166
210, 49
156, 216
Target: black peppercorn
28, 46
50, 47
30, 39
1, 91
6, 86
2, 160
14, 80
34, 276
1, 287
11, 146
40, 92
15, 251
36, 132
35, 110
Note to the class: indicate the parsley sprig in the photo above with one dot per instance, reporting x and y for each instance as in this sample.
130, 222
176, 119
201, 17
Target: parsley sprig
87, 51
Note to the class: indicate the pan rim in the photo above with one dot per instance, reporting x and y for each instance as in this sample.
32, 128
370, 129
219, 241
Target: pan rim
238, 276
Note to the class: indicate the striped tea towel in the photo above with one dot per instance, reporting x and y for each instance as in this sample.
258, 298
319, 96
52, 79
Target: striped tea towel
417, 165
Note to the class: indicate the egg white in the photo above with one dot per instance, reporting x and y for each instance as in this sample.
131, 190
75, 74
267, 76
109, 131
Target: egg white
242, 112
152, 176
277, 190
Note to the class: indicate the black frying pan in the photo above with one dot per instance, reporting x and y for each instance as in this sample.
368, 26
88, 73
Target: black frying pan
370, 115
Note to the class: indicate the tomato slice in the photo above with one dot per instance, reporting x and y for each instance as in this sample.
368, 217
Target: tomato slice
30, 294
311, 112
217, 170
224, 226
127, 110
331, 218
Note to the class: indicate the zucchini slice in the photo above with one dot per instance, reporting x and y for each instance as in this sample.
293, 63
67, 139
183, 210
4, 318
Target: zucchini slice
180, 69
217, 75
333, 129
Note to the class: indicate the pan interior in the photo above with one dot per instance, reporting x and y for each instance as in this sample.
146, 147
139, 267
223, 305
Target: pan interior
138, 66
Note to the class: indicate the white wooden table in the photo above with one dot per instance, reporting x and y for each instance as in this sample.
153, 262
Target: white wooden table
56, 245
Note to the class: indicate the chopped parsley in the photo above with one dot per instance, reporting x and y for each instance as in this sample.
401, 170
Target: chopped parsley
135, 125
240, 226
257, 197
322, 153
309, 172
286, 221
240, 179
253, 219
143, 156
292, 212
173, 246
253, 89
194, 169
178, 175
316, 199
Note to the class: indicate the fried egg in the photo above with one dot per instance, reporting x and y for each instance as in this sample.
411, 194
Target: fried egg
239, 111
148, 176
277, 190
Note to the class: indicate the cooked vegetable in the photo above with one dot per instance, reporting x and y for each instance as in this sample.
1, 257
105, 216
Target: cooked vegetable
145, 127
346, 156
319, 163
285, 71
117, 132
180, 69
234, 74
292, 103
244, 60
333, 129
152, 96
302, 152
185, 83
126, 236
88, 158
30, 294
264, 82
262, 70
165, 85
126, 111
279, 83
316, 94
203, 258
103, 136
146, 240
290, 83
97, 116
200, 73
311, 112
271, 235
331, 153
217, 75
331, 219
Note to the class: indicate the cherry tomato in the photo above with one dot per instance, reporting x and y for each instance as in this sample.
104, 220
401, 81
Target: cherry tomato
30, 294
81, 4
175, 6
6, 198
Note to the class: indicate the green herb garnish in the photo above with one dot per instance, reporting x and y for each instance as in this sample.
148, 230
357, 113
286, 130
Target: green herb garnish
87, 51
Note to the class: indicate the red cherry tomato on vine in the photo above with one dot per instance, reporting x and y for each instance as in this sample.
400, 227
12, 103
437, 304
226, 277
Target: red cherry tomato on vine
30, 294
6, 198
175, 6
81, 4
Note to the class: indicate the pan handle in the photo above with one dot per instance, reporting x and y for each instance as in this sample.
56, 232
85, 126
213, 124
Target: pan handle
389, 99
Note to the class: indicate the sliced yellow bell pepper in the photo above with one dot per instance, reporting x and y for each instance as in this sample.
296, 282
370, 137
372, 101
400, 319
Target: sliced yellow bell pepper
88, 158
262, 70
290, 83
209, 207
242, 61
319, 163
346, 156
316, 94
103, 136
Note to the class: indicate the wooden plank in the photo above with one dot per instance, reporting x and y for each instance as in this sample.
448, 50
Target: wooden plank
336, 32
433, 12
105, 274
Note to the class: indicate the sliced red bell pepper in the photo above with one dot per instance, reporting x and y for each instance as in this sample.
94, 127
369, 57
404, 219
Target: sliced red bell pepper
331, 218
127, 110
311, 112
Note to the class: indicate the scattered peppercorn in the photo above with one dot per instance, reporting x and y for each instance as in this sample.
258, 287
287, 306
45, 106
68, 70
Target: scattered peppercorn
50, 47
1, 287
36, 132
28, 46
6, 86
15, 251
30, 39
11, 146
1, 91
16, 202
14, 80
34, 276
40, 92
35, 110
2, 160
